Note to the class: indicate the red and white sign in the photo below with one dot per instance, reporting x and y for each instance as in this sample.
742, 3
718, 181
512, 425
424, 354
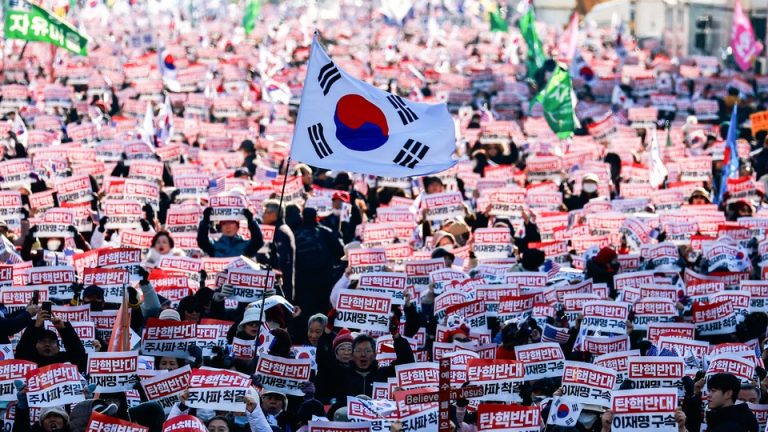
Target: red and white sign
390, 283
363, 310
283, 375
218, 389
250, 285
366, 261
54, 385
11, 370
714, 318
104, 423
541, 360
508, 418
167, 338
588, 384
500, 379
113, 371
645, 409
165, 388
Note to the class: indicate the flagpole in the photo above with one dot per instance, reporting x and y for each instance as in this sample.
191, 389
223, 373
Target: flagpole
23, 48
269, 268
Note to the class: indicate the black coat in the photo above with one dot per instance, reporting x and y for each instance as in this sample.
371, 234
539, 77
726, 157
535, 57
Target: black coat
735, 418
75, 352
9, 326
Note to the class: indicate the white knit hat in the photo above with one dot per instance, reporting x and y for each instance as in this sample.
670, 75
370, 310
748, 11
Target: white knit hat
59, 411
170, 315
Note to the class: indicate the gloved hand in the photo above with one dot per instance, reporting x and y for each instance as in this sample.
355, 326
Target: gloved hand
227, 290
144, 225
143, 274
203, 277
149, 212
207, 214
309, 390
102, 223
133, 296
196, 354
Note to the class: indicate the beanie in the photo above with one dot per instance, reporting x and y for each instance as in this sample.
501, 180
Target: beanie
344, 336
605, 256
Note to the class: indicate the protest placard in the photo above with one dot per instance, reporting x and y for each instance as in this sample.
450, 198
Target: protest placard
541, 360
656, 372
641, 410
441, 206
112, 281
500, 379
218, 389
283, 375
390, 283
11, 370
714, 318
363, 310
167, 338
113, 371
366, 261
54, 385
508, 418
184, 423
250, 285
165, 388
588, 384
103, 423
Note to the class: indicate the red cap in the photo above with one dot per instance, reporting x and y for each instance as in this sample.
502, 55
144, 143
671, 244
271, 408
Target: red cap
341, 195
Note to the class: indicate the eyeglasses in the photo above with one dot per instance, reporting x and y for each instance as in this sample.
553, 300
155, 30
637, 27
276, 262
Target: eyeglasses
344, 349
363, 351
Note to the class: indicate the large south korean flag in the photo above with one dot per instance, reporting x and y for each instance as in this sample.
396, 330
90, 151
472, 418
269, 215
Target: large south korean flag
347, 124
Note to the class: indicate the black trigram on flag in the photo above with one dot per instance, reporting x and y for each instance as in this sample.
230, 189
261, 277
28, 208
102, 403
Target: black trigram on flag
318, 141
411, 154
406, 114
328, 75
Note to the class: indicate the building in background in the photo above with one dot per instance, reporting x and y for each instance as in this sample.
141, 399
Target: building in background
683, 27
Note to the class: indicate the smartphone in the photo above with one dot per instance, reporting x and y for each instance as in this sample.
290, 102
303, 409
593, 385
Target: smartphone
35, 297
46, 306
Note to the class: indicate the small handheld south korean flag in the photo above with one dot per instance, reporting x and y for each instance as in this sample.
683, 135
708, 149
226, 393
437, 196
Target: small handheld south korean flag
347, 124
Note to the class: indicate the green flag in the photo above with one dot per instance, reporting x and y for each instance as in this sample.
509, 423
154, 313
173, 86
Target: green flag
33, 23
252, 11
498, 22
536, 55
556, 99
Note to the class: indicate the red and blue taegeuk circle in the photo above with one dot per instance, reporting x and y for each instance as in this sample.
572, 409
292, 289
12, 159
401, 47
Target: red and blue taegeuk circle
360, 125
563, 411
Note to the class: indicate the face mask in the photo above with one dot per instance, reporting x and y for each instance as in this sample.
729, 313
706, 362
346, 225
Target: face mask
53, 245
207, 414
240, 420
589, 187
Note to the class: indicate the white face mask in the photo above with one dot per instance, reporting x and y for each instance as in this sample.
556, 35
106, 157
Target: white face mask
589, 187
53, 245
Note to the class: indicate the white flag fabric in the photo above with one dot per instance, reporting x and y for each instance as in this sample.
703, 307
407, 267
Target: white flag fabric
347, 124
658, 171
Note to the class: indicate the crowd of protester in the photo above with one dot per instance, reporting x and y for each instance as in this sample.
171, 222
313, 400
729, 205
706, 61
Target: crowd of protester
221, 107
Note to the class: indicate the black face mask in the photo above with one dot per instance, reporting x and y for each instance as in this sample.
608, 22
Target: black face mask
96, 306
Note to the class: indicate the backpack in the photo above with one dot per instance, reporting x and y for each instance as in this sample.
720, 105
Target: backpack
310, 248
